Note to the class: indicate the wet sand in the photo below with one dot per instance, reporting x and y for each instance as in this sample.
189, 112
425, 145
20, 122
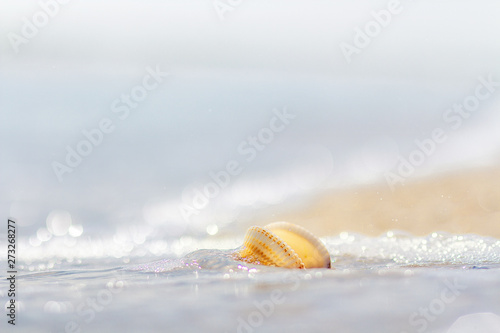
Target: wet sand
460, 202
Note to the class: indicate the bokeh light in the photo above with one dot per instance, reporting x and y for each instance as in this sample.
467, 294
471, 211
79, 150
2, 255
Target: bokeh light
59, 222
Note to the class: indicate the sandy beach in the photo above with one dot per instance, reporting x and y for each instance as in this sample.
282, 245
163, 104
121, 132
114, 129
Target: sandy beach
459, 202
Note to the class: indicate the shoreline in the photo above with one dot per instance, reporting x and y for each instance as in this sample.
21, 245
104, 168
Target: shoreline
459, 202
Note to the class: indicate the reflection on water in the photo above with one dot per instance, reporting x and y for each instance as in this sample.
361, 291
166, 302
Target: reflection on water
395, 283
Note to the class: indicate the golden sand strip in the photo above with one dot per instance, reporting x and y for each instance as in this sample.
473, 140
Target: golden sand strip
461, 202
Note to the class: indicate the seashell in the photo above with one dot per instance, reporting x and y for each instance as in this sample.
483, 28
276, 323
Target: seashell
283, 244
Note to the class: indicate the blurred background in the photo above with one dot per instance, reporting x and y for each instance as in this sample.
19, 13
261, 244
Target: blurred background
115, 116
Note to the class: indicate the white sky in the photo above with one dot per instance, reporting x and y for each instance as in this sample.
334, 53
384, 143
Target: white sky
428, 40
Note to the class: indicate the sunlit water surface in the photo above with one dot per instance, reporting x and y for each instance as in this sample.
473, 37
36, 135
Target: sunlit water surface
392, 283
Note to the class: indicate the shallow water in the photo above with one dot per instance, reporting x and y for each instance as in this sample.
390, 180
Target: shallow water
392, 283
